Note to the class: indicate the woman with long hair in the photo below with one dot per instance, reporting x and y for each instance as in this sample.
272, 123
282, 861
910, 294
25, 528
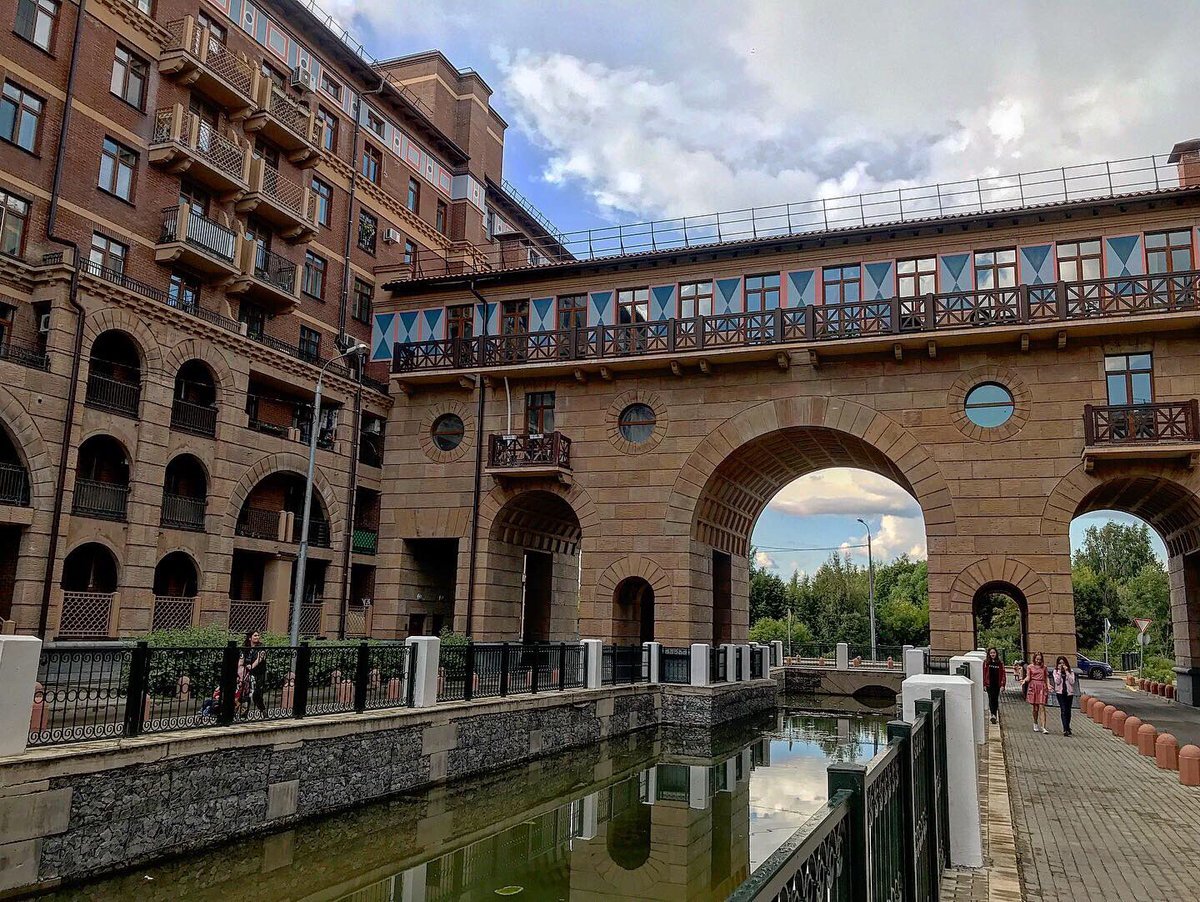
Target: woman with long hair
1063, 680
253, 672
995, 675
1037, 685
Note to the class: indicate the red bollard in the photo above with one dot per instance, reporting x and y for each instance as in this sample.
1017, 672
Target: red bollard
1147, 739
1142, 684
1189, 765
1166, 752
1117, 724
1132, 725
1106, 716
1084, 701
1170, 692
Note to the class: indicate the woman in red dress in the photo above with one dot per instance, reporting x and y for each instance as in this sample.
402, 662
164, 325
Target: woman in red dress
1038, 691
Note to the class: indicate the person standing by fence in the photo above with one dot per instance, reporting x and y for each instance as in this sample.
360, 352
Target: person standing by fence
1064, 690
254, 674
1037, 690
995, 676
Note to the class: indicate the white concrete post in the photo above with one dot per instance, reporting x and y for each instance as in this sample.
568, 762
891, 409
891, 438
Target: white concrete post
843, 656
425, 672
412, 881
19, 656
978, 696
731, 773
697, 787
962, 786
652, 785
593, 653
914, 661
777, 653
700, 659
652, 651
590, 815
744, 676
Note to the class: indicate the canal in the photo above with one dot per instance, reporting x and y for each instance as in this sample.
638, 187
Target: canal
660, 814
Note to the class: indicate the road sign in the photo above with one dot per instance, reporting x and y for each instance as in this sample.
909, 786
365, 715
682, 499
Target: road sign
1143, 639
1143, 624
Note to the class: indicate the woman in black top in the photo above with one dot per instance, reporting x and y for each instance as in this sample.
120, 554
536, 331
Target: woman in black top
254, 673
994, 678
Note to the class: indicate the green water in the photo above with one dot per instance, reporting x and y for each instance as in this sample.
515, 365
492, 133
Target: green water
656, 815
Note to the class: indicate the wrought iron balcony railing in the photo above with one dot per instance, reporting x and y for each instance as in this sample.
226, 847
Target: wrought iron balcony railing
183, 512
516, 452
932, 313
115, 395
207, 147
1142, 424
259, 523
318, 531
102, 500
366, 540
14, 485
199, 419
278, 272
204, 50
172, 612
185, 223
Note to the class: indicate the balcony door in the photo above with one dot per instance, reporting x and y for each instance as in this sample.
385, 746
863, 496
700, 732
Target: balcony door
1130, 383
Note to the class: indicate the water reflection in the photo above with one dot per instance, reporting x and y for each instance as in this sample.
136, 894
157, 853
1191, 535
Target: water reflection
649, 816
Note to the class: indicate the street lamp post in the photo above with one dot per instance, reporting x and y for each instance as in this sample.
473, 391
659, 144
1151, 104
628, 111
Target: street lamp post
359, 349
870, 586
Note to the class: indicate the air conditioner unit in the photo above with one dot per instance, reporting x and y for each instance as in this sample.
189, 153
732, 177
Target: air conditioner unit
44, 324
391, 236
373, 427
302, 80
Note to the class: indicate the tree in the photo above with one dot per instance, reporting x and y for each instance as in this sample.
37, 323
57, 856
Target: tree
1115, 576
1116, 551
768, 593
769, 629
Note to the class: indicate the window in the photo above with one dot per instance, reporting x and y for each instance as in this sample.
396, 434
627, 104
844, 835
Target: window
324, 195
539, 412
267, 152
368, 231
374, 123
413, 201
129, 75
117, 167
572, 311
331, 87
310, 343
514, 317
184, 292
762, 292
14, 213
216, 31
441, 217
448, 432
313, 282
277, 78
916, 277
460, 321
145, 6
255, 318
372, 164
1168, 252
195, 196
842, 284
107, 254
636, 423
695, 299
989, 405
1079, 261
363, 293
633, 305
996, 269
329, 129
1130, 379
20, 116
36, 20
410, 252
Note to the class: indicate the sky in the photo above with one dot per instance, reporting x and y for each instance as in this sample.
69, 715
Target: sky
623, 111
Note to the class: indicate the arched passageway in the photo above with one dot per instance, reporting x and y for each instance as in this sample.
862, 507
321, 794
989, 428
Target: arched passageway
1001, 615
633, 611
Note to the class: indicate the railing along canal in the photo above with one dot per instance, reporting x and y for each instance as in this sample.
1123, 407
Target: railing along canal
624, 664
498, 669
884, 833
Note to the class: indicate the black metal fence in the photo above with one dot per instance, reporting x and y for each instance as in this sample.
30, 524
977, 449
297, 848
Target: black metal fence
883, 834
675, 665
718, 665
89, 693
624, 664
758, 663
497, 669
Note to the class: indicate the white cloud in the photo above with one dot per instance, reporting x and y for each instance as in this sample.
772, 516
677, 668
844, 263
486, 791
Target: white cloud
841, 490
764, 560
894, 537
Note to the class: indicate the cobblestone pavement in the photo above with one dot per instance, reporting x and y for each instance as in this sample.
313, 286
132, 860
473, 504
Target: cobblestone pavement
1168, 717
1093, 819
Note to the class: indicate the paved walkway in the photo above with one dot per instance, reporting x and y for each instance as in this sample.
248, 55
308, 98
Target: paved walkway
1095, 821
1168, 717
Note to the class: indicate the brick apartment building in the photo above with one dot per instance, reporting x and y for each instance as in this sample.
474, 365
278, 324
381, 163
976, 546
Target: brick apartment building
198, 203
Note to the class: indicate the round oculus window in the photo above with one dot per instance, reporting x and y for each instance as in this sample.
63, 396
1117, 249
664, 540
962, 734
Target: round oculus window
989, 405
447, 432
636, 423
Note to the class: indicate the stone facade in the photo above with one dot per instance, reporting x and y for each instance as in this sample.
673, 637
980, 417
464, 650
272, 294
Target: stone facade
710, 706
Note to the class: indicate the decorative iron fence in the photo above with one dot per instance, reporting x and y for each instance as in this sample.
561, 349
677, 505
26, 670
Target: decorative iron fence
80, 695
366, 541
26, 354
623, 664
884, 833
277, 271
518, 451
172, 612
492, 669
14, 485
248, 616
718, 665
101, 500
675, 665
758, 663
1138, 424
198, 419
115, 395
199, 231
182, 512
259, 523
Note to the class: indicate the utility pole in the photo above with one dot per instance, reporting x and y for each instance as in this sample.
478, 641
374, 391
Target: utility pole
870, 587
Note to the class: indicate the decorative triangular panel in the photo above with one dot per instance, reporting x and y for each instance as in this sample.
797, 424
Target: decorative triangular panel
802, 288
541, 317
879, 281
729, 296
662, 302
1123, 256
383, 334
600, 308
956, 272
431, 329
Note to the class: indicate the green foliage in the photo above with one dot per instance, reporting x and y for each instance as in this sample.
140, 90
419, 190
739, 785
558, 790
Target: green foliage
1159, 669
768, 592
999, 624
1115, 575
210, 636
451, 639
770, 629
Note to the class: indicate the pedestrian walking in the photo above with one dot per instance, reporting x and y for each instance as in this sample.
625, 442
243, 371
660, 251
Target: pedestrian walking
995, 676
1063, 680
253, 674
1037, 690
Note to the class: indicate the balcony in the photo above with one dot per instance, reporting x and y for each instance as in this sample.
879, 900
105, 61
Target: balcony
172, 612
260, 523
198, 419
1167, 430
266, 278
277, 199
100, 500
14, 485
366, 540
318, 531
182, 142
285, 122
183, 512
192, 239
192, 57
113, 395
530, 456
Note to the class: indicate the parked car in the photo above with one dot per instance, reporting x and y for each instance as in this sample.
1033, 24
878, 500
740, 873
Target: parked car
1097, 670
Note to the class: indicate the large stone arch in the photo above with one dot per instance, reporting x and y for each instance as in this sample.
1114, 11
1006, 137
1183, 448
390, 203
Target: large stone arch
122, 320
29, 444
284, 462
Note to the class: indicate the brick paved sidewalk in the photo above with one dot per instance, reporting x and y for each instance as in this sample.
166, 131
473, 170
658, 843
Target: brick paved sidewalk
1093, 819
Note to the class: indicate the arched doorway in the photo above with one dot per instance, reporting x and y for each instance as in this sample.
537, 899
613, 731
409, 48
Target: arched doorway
89, 582
176, 584
633, 611
1001, 615
533, 559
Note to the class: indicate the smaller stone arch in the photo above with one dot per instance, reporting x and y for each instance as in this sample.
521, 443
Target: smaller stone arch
634, 565
29, 445
1000, 570
208, 353
119, 319
575, 496
285, 462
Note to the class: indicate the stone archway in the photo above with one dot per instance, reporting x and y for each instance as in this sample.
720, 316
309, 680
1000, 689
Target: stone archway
628, 598
1015, 578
